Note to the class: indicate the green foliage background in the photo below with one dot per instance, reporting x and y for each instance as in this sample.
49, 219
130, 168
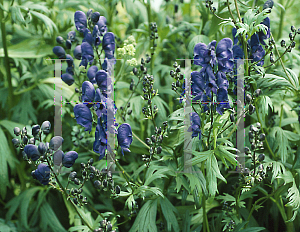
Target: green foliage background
29, 30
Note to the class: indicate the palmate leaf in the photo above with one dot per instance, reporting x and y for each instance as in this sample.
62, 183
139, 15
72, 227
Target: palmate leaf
146, 218
293, 193
282, 138
47, 21
168, 211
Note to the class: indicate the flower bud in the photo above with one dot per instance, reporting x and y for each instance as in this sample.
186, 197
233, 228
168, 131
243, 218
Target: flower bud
262, 137
153, 138
159, 150
46, 126
248, 98
72, 175
59, 39
35, 130
16, 142
105, 183
231, 117
17, 131
282, 43
24, 131
76, 181
31, 141
68, 44
97, 184
257, 92
261, 157
95, 17
118, 189
25, 140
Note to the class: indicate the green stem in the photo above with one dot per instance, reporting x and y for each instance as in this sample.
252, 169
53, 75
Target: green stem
6, 62
282, 13
289, 225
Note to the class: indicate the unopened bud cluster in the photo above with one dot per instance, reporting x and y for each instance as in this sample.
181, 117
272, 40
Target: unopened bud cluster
292, 36
105, 226
208, 4
155, 143
153, 37
104, 180
177, 75
249, 100
133, 209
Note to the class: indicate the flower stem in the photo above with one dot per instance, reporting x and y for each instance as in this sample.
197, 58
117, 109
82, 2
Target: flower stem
6, 62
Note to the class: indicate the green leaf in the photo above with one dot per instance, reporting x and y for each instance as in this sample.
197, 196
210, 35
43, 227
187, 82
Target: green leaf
199, 157
47, 21
49, 218
222, 152
168, 211
146, 218
264, 103
294, 200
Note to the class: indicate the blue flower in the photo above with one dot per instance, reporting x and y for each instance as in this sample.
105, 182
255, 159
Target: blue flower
59, 52
124, 137
87, 54
80, 21
42, 174
32, 152
222, 81
224, 55
205, 54
91, 73
99, 103
96, 36
88, 37
67, 78
100, 143
103, 81
108, 45
88, 93
257, 51
83, 116
72, 36
197, 85
102, 25
195, 125
222, 99
77, 52
69, 158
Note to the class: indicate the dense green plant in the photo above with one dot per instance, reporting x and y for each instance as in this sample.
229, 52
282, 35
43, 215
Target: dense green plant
153, 190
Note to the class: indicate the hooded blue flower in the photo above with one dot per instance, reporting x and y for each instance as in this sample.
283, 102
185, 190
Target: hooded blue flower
100, 143
102, 25
91, 73
70, 60
96, 36
72, 36
87, 37
88, 93
69, 158
87, 54
205, 54
224, 55
124, 137
83, 116
108, 45
257, 51
42, 174
32, 152
67, 78
59, 52
80, 21
77, 52
197, 85
222, 99
103, 81
195, 125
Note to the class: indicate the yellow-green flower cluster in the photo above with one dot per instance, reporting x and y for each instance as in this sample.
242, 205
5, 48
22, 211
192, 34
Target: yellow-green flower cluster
129, 47
132, 62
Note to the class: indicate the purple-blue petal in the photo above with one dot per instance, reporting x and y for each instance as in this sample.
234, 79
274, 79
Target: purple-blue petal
80, 21
67, 78
69, 159
83, 116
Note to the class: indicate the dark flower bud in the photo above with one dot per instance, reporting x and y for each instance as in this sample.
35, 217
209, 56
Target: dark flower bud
59, 39
135, 71
24, 131
293, 44
293, 29
251, 109
42, 148
272, 58
177, 69
129, 112
89, 13
75, 201
109, 227
268, 4
153, 138
17, 131
159, 150
105, 183
46, 126
248, 98
159, 130
257, 92
261, 157
172, 73
148, 141
103, 223
109, 174
176, 8
253, 146
35, 130
260, 144
231, 117
95, 17
262, 137
145, 70
33, 174
258, 125
118, 189
16, 142
91, 176
72, 175
59, 52
298, 31
25, 140
142, 61
97, 184
247, 150
82, 165
31, 141
142, 67
149, 101
282, 43
291, 35
131, 86
84, 173
76, 181
56, 142
251, 136
68, 44
165, 123
91, 161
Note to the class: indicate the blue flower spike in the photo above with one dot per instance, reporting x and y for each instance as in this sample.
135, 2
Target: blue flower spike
42, 174
124, 137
